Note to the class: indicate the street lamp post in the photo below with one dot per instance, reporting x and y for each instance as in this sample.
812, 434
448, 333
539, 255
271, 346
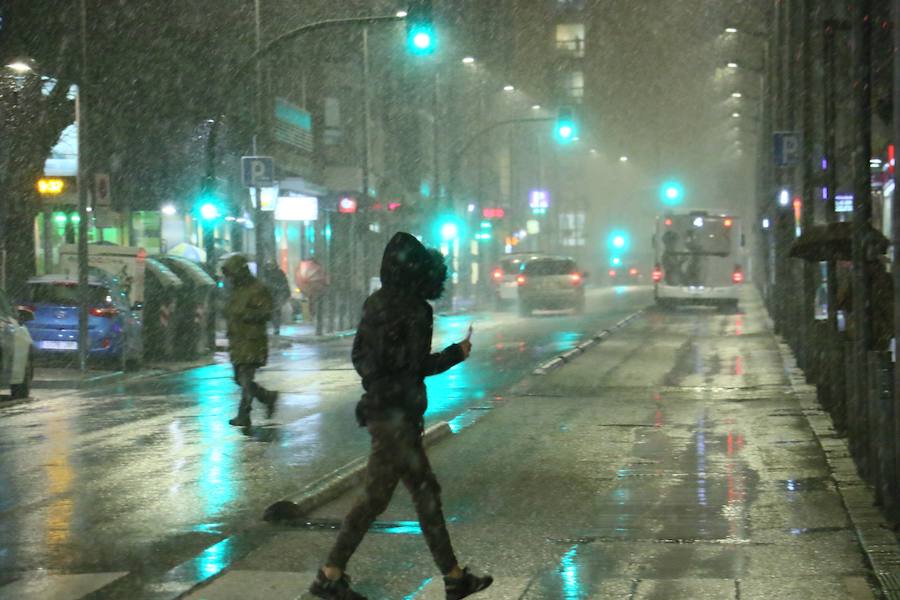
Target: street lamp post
82, 183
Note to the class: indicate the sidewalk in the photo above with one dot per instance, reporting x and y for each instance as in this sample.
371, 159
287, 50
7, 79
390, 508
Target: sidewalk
673, 460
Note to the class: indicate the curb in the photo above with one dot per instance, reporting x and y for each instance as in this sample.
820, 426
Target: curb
570, 355
874, 533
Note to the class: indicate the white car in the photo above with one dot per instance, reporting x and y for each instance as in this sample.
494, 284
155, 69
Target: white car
16, 356
506, 289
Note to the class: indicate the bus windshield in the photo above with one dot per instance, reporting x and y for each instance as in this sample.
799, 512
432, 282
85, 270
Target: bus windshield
690, 234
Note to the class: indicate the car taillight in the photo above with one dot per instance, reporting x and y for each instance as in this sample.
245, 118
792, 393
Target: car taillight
612, 272
520, 279
575, 277
657, 275
498, 274
737, 276
106, 313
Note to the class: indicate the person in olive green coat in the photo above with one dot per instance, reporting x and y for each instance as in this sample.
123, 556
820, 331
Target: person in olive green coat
247, 311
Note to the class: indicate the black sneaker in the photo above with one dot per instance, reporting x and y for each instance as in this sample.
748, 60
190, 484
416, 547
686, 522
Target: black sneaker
466, 585
240, 421
340, 589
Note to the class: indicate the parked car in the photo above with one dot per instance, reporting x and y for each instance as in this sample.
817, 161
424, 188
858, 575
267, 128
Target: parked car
506, 290
550, 282
114, 325
16, 352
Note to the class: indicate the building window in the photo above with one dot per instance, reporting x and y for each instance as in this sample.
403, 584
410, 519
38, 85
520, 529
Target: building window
573, 85
567, 4
570, 39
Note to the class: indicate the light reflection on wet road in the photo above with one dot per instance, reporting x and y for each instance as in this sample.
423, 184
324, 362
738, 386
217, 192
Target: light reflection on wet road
141, 475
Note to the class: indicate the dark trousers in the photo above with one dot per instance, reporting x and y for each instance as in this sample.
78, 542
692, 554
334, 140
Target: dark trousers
244, 377
397, 454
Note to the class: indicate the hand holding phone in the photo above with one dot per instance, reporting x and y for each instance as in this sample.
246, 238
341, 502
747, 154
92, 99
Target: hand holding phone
466, 344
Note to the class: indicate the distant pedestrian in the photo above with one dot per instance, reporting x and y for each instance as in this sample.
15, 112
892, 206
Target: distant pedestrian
276, 282
392, 354
248, 309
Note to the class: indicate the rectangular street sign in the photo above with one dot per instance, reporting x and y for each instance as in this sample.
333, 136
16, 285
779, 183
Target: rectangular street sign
786, 148
258, 171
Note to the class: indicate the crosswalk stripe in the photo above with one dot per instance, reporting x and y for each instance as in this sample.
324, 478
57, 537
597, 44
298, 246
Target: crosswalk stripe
40, 585
241, 585
503, 588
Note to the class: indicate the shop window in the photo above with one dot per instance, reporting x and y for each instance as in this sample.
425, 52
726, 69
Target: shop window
570, 39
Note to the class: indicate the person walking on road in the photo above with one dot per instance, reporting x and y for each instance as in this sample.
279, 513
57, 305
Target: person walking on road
276, 282
248, 309
392, 354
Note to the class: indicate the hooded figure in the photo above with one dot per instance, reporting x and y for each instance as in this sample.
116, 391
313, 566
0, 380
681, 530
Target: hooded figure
392, 349
247, 311
392, 354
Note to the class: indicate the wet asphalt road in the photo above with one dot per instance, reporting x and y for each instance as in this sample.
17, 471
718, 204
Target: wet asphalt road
673, 461
140, 475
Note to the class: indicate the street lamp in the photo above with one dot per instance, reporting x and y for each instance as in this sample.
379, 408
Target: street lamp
623, 159
536, 107
737, 95
468, 60
731, 30
732, 65
736, 115
509, 88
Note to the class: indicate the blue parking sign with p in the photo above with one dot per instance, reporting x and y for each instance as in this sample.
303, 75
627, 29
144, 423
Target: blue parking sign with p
258, 171
787, 148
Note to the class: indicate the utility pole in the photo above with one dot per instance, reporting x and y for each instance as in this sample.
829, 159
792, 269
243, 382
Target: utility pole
861, 28
808, 20
83, 177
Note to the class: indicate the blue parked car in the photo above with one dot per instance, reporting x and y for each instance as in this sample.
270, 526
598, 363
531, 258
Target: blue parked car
114, 326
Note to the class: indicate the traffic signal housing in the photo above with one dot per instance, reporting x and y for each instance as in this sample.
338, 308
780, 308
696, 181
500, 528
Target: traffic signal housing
421, 36
566, 129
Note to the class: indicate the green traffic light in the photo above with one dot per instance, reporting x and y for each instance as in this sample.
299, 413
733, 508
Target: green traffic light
209, 211
672, 193
565, 131
618, 241
421, 39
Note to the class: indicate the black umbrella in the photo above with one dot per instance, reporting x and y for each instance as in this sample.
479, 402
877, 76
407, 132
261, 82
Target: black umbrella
834, 241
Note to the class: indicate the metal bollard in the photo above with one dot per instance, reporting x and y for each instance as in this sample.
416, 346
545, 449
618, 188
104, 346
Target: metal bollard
885, 427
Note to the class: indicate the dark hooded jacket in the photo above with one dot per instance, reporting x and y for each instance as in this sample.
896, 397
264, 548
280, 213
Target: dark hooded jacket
392, 348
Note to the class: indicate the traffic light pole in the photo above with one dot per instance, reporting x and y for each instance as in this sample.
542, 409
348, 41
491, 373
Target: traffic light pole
82, 184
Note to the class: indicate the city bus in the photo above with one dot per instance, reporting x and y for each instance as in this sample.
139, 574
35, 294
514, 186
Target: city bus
699, 258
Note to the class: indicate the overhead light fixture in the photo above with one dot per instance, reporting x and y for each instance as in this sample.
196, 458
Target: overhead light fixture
402, 14
536, 107
509, 88
731, 30
468, 60
736, 115
737, 95
623, 159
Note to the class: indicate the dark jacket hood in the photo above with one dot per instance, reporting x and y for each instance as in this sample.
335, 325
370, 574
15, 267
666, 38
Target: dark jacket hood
409, 266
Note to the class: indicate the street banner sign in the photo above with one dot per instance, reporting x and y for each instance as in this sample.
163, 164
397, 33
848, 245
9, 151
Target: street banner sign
258, 171
786, 148
102, 194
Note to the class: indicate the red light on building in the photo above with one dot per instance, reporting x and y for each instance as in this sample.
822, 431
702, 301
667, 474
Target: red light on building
891, 159
347, 205
657, 275
632, 271
498, 274
798, 208
668, 222
728, 222
392, 206
493, 213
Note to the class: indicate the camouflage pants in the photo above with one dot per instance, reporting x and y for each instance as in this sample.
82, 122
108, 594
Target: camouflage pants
244, 376
397, 454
